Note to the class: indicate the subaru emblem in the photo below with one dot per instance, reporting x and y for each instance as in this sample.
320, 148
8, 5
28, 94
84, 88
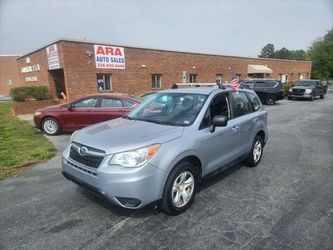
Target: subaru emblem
83, 151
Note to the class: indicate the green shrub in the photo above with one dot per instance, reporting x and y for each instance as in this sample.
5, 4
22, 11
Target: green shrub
286, 88
40, 93
23, 94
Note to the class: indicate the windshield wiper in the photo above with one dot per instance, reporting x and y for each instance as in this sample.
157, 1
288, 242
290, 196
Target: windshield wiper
158, 122
129, 118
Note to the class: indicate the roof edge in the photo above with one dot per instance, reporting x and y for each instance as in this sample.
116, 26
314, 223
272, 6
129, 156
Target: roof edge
156, 49
11, 55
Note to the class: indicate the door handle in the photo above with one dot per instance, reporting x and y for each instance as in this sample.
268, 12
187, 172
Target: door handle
234, 129
254, 120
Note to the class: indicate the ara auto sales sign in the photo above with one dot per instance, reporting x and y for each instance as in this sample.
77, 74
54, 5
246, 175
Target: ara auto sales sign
109, 57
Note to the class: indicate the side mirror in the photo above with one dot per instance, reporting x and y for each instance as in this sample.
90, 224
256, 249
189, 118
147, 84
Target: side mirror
218, 121
70, 107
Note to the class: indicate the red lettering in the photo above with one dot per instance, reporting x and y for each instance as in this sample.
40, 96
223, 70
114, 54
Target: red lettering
100, 50
118, 52
109, 51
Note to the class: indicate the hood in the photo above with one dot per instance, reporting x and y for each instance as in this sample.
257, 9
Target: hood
303, 87
53, 108
122, 135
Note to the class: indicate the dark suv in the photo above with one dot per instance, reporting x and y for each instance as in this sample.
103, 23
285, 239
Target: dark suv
269, 91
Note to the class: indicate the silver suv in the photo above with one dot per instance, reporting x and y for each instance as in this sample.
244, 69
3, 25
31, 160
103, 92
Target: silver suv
162, 149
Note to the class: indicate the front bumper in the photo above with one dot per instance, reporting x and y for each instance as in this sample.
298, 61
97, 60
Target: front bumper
304, 96
37, 121
126, 187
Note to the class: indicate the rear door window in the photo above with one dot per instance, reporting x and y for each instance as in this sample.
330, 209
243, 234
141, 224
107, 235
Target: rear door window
127, 103
111, 103
241, 104
260, 84
271, 84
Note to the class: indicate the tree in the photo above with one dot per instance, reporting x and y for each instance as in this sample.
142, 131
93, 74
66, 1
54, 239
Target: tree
283, 53
267, 51
299, 55
321, 54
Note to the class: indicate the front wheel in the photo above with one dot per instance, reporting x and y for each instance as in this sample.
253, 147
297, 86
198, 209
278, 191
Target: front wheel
271, 99
50, 126
180, 189
255, 155
312, 98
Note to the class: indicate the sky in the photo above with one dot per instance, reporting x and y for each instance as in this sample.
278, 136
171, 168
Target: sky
225, 27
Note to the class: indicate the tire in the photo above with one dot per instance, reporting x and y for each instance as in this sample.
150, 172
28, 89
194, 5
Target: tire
174, 187
271, 99
50, 126
256, 152
322, 96
311, 98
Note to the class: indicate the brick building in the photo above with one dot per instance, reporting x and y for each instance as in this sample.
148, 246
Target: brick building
78, 68
9, 75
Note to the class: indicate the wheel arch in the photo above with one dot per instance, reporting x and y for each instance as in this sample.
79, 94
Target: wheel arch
52, 117
262, 134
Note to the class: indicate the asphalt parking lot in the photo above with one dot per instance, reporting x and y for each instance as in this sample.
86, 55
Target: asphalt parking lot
284, 203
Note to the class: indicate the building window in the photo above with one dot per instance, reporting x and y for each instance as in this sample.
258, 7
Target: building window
104, 82
156, 81
284, 78
193, 78
219, 78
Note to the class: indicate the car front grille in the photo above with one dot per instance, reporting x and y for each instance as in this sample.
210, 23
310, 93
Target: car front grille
92, 158
298, 91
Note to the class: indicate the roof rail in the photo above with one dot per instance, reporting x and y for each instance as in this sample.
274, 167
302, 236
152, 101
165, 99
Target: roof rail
200, 84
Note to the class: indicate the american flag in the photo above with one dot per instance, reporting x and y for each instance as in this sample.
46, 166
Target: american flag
234, 82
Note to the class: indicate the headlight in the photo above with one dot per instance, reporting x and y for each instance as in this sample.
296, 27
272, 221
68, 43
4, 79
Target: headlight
37, 113
135, 158
308, 91
290, 90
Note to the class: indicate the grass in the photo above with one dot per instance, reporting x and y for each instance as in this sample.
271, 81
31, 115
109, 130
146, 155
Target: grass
20, 144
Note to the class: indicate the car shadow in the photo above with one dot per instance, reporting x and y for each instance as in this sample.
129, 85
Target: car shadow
148, 210
218, 176
153, 209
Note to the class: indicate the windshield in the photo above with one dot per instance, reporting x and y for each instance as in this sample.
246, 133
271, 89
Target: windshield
175, 109
306, 83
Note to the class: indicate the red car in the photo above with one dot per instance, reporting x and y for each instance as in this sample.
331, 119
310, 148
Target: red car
83, 112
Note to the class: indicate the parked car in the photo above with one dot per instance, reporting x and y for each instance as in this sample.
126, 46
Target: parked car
162, 149
307, 89
269, 91
83, 112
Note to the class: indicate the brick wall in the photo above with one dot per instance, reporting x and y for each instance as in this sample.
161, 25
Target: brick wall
43, 76
20, 108
80, 72
8, 71
80, 69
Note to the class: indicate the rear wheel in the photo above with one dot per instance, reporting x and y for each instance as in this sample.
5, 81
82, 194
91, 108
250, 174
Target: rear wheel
271, 99
180, 189
50, 126
255, 155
